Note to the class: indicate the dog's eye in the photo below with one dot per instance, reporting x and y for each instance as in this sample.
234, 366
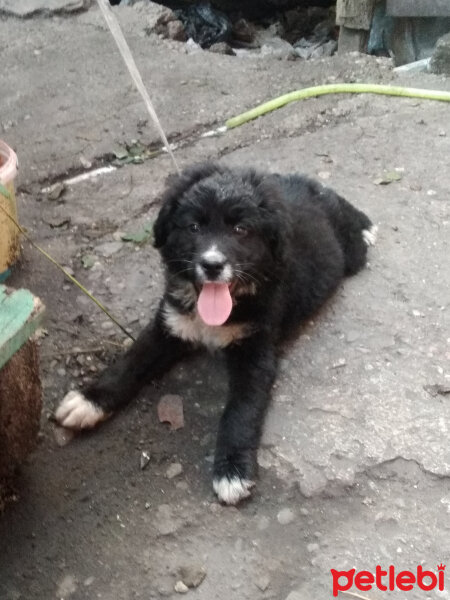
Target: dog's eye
240, 230
194, 227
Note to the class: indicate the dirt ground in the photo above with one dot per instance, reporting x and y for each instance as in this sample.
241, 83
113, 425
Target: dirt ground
355, 463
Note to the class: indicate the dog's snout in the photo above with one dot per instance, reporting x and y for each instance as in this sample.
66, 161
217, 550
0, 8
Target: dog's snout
213, 265
213, 268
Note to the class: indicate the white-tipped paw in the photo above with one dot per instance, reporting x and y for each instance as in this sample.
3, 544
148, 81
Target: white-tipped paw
370, 235
76, 412
232, 491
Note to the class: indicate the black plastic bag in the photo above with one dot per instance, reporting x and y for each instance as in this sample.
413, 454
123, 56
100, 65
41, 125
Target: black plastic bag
204, 24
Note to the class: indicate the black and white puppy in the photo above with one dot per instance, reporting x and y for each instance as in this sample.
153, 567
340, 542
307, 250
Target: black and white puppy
248, 257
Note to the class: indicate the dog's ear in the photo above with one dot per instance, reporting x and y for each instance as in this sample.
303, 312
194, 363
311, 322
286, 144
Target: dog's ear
177, 186
161, 227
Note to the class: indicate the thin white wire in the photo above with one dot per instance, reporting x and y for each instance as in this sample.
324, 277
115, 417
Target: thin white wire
125, 51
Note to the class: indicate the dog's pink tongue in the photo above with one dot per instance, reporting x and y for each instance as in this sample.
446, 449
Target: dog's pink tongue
214, 303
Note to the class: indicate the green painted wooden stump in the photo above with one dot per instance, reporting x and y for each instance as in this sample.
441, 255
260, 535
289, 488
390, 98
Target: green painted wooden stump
20, 388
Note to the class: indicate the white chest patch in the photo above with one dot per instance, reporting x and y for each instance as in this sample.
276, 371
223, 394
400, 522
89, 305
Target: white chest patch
192, 329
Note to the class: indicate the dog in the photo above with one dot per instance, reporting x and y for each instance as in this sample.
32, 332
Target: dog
248, 257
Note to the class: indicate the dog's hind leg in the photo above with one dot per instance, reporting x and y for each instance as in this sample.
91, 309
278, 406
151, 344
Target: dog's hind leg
252, 370
153, 353
354, 230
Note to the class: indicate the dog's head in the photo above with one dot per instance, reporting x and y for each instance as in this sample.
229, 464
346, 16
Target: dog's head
220, 229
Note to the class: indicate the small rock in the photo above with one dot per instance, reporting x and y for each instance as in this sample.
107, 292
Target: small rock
25, 8
222, 48
192, 575
192, 47
175, 31
66, 587
54, 192
440, 61
85, 163
145, 459
339, 363
118, 235
263, 583
243, 31
174, 470
181, 588
278, 48
312, 547
61, 372
285, 516
170, 410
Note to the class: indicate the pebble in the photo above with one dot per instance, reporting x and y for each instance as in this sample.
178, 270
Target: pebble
174, 470
263, 583
285, 516
181, 588
312, 547
66, 587
192, 575
175, 31
55, 191
145, 459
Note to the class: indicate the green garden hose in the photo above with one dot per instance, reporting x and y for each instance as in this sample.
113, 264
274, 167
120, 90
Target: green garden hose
335, 88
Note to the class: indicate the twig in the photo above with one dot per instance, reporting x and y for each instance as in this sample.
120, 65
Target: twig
5, 193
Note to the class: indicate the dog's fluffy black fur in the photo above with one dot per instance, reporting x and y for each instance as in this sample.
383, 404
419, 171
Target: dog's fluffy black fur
283, 244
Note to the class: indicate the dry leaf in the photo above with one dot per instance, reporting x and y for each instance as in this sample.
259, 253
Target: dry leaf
170, 410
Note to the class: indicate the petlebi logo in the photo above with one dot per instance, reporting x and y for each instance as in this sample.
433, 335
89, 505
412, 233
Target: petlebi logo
388, 579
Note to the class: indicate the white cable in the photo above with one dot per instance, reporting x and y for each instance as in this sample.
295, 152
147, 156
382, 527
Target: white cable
125, 51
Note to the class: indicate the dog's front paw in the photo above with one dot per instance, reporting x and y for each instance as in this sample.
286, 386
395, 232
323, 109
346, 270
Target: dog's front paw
77, 412
234, 475
231, 490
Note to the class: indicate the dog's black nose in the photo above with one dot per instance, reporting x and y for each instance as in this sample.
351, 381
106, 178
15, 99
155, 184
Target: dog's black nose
212, 268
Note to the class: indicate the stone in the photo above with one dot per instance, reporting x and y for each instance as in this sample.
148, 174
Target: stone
192, 575
174, 470
278, 48
243, 31
175, 31
29, 8
181, 588
285, 516
66, 587
263, 582
55, 191
222, 48
440, 61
